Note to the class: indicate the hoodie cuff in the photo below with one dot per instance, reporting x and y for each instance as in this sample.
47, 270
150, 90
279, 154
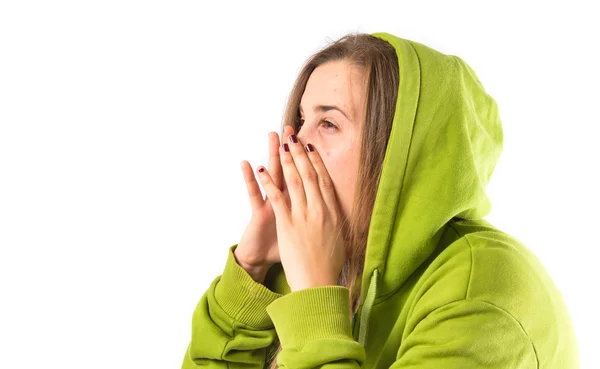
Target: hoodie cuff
241, 297
311, 314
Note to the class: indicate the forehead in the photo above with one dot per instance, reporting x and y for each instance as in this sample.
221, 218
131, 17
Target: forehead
335, 83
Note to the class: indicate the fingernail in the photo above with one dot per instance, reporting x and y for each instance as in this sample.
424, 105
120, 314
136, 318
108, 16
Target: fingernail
293, 138
309, 147
286, 147
261, 169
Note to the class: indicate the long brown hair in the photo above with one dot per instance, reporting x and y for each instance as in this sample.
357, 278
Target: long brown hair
378, 62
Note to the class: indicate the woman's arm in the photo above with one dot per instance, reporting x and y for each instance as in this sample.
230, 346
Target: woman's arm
459, 335
230, 325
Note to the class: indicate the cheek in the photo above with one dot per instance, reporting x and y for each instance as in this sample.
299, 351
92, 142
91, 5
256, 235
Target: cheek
329, 164
342, 182
338, 168
341, 162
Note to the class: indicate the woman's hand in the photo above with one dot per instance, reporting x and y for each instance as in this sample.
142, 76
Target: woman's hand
257, 250
311, 242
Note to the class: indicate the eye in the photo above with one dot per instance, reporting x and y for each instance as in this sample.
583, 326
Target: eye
328, 124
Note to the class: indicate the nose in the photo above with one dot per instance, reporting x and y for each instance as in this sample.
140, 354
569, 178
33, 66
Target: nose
302, 136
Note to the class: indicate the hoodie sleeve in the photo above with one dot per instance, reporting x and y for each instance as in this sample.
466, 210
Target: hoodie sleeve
467, 334
230, 325
314, 328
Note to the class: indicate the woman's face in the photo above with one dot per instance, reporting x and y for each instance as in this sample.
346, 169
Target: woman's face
334, 133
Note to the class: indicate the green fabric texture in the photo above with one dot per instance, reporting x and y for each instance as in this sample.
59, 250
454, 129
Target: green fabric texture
442, 287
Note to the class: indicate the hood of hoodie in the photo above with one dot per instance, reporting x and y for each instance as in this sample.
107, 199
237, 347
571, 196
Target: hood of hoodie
445, 141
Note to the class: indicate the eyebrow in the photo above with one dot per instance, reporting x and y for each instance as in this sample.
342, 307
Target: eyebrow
325, 108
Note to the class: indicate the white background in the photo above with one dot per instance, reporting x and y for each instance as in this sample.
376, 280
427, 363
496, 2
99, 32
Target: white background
122, 126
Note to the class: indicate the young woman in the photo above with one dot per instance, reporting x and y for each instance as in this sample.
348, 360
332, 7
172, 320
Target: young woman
370, 249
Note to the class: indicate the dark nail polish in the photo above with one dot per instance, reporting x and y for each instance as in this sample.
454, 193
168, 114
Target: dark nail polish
310, 148
293, 138
286, 147
261, 169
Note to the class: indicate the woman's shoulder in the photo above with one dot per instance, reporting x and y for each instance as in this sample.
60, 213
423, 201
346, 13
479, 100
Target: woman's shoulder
505, 274
498, 267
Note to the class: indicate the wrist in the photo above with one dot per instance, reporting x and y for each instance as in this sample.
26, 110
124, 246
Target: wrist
257, 272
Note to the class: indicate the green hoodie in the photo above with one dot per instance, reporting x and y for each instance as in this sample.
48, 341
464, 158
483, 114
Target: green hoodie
442, 288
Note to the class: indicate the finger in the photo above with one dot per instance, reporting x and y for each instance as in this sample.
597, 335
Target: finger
275, 195
306, 172
325, 182
274, 161
293, 180
287, 130
256, 197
